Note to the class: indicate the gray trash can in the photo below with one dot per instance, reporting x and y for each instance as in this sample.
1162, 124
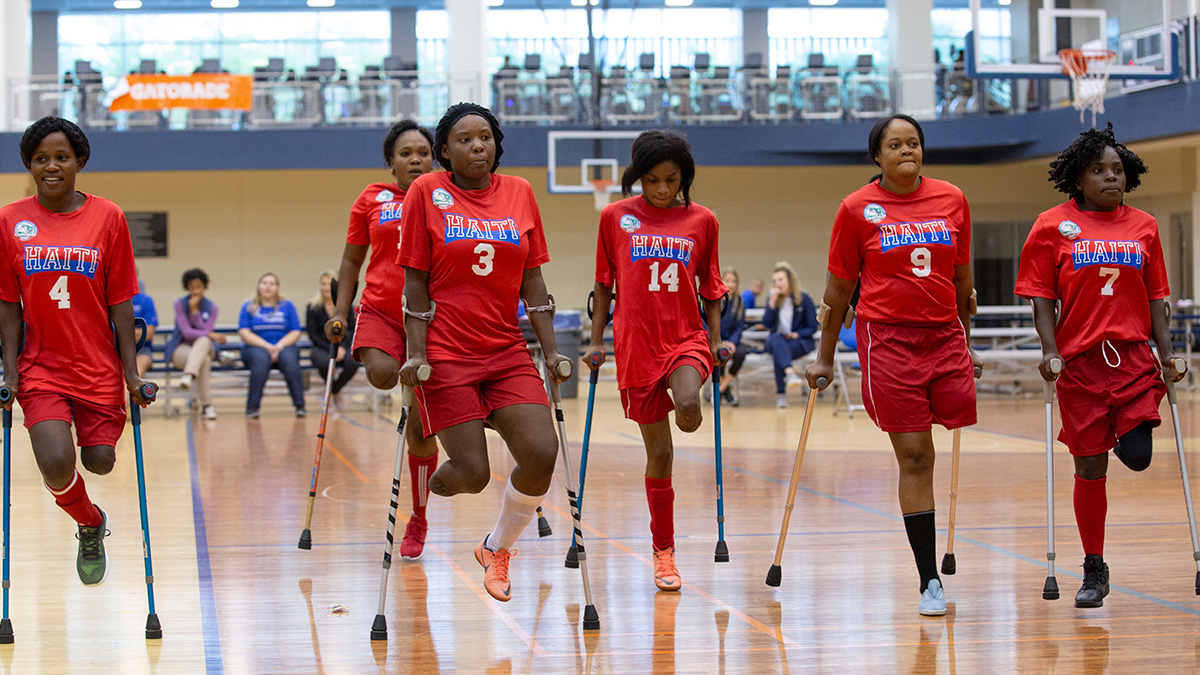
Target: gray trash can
568, 334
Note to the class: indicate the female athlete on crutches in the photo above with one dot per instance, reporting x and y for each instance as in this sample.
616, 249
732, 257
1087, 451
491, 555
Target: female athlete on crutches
653, 248
908, 238
1103, 261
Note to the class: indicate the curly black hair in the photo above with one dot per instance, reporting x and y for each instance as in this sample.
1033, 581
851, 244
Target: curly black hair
453, 114
194, 273
38, 131
654, 147
398, 129
1083, 151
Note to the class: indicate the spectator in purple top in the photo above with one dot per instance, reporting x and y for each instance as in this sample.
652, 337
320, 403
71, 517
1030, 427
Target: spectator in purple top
191, 346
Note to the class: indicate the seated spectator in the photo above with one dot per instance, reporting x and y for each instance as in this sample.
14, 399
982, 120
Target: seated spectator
320, 308
792, 319
750, 295
191, 348
732, 325
143, 308
269, 326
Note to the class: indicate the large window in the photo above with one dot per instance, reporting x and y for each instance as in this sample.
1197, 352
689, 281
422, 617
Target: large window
116, 44
840, 36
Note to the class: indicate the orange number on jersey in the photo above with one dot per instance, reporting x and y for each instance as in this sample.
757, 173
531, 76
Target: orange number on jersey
1112, 273
60, 293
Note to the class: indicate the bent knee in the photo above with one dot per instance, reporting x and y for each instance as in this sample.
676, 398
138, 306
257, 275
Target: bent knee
688, 416
99, 459
383, 378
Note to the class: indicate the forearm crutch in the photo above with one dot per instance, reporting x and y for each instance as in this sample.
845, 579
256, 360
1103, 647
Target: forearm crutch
572, 560
306, 535
6, 629
722, 552
379, 626
1050, 590
591, 618
949, 564
775, 574
148, 391
1180, 366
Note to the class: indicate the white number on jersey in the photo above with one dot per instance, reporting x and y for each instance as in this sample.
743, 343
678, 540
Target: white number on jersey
922, 258
670, 277
1112, 273
484, 266
60, 293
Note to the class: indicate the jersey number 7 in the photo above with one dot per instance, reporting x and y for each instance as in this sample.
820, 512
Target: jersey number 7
1112, 273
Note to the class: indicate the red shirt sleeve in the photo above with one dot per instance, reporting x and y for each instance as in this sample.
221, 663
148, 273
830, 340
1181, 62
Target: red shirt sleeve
845, 246
711, 285
1157, 286
359, 231
963, 255
605, 266
538, 253
121, 274
10, 280
1037, 274
416, 246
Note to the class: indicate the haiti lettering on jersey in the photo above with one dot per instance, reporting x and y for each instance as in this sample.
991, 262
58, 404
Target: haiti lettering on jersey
1087, 252
464, 227
930, 232
390, 212
78, 259
642, 246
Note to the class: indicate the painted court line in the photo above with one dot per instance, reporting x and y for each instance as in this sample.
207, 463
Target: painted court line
213, 663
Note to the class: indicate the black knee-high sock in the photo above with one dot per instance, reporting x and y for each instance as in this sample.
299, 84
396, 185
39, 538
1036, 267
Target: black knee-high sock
922, 537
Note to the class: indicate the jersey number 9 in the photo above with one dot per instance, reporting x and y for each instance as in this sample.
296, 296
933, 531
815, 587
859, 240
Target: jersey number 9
921, 259
60, 293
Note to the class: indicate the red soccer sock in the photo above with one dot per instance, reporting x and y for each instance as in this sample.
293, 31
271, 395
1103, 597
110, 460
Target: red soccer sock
1091, 508
661, 497
421, 468
74, 500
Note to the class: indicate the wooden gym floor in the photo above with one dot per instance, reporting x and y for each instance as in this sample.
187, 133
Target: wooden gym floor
235, 594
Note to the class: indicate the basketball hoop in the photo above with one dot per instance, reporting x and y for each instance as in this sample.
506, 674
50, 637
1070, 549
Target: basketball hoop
600, 192
1089, 70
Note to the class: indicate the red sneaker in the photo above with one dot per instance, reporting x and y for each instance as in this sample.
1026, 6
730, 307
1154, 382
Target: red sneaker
666, 575
413, 543
495, 571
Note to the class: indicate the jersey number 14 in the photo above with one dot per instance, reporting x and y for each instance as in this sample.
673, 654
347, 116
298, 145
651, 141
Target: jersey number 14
670, 277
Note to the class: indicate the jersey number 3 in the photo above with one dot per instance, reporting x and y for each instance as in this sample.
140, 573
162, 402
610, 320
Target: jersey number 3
60, 293
484, 266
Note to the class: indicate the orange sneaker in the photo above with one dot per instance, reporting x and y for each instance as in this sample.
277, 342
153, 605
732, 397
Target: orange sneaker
495, 570
666, 575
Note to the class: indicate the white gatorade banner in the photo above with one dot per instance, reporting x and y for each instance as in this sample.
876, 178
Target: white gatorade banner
201, 91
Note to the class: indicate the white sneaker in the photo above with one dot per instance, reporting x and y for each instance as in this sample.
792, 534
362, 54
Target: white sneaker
794, 380
228, 358
185, 382
781, 401
210, 413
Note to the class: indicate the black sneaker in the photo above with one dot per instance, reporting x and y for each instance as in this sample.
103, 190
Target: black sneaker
729, 398
1095, 583
92, 562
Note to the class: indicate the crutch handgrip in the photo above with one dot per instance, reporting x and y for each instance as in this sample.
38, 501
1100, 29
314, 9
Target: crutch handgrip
822, 382
338, 329
724, 353
978, 372
5, 395
1056, 365
595, 358
424, 372
1180, 364
149, 391
564, 368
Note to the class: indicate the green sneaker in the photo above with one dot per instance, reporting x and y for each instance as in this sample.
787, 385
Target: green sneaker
92, 562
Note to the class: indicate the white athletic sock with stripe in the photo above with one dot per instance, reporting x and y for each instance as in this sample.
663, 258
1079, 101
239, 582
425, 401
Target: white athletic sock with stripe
515, 513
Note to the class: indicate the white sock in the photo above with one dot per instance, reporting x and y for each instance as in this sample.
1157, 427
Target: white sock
515, 513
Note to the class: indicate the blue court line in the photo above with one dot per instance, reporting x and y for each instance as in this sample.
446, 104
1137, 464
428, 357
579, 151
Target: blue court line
994, 549
360, 425
213, 663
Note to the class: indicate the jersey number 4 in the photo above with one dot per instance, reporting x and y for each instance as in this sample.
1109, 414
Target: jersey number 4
60, 293
670, 277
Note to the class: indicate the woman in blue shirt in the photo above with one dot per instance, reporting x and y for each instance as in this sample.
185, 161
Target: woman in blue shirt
269, 326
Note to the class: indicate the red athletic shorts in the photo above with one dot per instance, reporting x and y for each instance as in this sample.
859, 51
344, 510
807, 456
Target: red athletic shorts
95, 424
461, 390
373, 328
650, 403
1100, 402
915, 375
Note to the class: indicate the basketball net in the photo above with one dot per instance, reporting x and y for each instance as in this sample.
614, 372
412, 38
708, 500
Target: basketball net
1089, 70
600, 193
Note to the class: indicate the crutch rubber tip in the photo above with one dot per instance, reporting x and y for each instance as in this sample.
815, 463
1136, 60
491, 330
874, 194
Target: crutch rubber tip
722, 552
379, 628
591, 618
6, 632
153, 628
774, 576
572, 560
1197, 593
305, 540
949, 564
544, 527
1050, 591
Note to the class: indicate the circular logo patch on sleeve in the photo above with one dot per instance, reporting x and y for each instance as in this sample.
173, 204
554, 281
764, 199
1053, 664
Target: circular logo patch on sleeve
25, 230
442, 198
874, 213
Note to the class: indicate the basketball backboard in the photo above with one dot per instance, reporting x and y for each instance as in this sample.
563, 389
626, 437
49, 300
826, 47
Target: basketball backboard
577, 158
1026, 42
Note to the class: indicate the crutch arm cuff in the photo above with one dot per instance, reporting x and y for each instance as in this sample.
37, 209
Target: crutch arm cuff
422, 316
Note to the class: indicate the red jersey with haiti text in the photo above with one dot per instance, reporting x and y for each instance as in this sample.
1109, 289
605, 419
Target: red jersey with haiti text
476, 246
1105, 267
67, 269
904, 248
375, 222
656, 257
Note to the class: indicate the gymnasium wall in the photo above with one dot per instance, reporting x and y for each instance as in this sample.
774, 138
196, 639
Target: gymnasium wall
238, 224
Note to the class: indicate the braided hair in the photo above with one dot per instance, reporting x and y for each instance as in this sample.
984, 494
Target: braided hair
1083, 151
